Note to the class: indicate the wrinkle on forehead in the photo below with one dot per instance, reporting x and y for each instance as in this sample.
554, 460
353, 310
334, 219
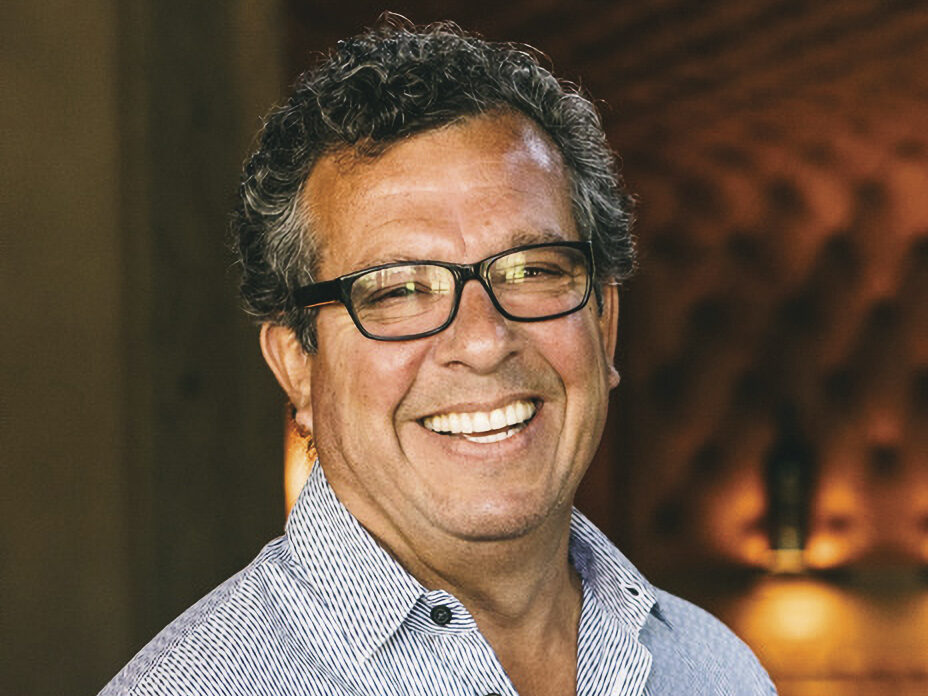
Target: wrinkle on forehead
508, 136
501, 146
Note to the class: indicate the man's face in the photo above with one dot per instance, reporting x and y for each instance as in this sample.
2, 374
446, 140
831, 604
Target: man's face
456, 194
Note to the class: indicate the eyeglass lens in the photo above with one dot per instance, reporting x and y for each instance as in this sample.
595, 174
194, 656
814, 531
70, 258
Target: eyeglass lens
417, 298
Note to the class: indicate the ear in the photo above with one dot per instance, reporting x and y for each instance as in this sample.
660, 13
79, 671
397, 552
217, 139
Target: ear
291, 366
608, 326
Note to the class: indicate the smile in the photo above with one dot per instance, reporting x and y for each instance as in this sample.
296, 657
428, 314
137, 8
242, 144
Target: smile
484, 426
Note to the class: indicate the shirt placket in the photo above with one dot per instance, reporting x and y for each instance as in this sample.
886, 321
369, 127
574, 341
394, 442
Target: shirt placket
611, 661
477, 669
463, 653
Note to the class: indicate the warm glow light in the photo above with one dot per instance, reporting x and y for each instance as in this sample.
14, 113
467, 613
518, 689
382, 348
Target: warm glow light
786, 561
298, 460
799, 613
755, 549
827, 551
802, 625
839, 535
839, 497
799, 610
733, 520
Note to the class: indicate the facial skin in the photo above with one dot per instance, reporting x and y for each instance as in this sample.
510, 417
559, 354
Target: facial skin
460, 194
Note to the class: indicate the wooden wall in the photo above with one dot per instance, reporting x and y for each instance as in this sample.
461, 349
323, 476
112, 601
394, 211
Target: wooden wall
141, 441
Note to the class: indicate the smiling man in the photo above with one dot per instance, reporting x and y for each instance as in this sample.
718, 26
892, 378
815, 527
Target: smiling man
432, 232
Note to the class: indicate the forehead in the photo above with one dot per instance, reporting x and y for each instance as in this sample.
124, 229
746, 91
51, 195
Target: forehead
460, 192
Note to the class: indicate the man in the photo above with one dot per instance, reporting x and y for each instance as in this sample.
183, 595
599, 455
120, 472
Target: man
432, 232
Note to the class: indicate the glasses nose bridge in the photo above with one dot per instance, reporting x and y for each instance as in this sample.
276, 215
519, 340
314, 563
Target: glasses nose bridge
465, 272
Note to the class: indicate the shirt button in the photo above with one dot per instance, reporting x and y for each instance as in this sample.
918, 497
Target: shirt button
440, 614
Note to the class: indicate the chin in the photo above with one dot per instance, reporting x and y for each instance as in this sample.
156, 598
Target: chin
496, 522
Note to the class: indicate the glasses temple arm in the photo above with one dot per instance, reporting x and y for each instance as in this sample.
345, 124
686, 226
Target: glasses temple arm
317, 294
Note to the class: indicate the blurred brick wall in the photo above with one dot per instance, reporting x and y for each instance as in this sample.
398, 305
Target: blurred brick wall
779, 150
780, 153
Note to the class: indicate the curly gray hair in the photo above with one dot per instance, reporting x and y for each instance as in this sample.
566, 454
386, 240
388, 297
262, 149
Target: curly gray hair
390, 83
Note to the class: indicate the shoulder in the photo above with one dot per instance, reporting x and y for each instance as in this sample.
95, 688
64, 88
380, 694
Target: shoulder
695, 653
232, 639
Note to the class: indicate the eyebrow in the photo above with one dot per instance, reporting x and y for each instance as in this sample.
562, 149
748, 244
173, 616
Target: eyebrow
519, 238
524, 237
392, 258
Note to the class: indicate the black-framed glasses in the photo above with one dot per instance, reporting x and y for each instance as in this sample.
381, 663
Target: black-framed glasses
411, 299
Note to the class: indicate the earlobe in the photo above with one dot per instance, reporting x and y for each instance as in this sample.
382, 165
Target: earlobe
609, 325
291, 365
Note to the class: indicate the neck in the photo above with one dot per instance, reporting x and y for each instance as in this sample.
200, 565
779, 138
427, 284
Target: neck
523, 594
521, 582
522, 591
509, 582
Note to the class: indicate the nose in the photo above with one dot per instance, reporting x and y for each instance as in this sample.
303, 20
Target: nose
479, 338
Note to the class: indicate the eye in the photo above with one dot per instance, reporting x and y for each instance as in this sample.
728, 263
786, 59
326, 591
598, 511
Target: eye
520, 273
543, 271
397, 292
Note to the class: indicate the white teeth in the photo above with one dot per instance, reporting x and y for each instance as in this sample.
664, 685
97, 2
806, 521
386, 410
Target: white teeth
484, 439
513, 414
481, 422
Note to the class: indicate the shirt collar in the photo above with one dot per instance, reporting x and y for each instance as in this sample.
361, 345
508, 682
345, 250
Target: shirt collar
366, 590
609, 576
370, 594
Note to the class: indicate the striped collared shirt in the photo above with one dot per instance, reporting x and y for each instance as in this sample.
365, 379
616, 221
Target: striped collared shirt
325, 610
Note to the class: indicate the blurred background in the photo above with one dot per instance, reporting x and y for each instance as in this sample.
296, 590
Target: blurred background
767, 450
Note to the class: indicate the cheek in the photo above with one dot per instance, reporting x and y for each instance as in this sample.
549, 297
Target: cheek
575, 352
574, 349
360, 382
